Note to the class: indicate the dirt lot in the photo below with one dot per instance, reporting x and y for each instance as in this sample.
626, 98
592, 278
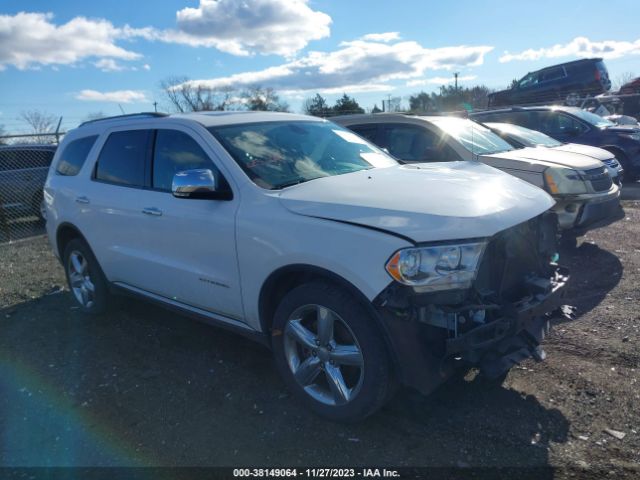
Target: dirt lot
145, 387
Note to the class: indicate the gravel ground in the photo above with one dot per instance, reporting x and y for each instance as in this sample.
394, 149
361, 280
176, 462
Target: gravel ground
144, 387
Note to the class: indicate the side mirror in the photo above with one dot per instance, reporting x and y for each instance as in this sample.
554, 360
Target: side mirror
198, 183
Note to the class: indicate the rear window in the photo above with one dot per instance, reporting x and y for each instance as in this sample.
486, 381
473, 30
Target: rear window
123, 158
74, 155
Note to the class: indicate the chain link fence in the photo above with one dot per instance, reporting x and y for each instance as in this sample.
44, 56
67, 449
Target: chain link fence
24, 164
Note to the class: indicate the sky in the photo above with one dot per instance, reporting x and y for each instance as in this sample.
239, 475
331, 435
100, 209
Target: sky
75, 58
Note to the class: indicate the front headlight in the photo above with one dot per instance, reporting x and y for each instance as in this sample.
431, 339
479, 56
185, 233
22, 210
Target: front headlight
564, 181
441, 267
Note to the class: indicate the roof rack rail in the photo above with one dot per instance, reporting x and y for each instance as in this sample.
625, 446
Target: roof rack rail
127, 115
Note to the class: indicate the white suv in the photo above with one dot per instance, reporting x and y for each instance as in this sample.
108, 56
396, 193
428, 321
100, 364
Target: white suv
360, 273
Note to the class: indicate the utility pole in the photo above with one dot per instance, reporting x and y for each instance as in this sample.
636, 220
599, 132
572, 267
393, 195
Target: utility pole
155, 106
456, 76
58, 131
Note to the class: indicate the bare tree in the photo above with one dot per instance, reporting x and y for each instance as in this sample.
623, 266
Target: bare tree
185, 96
264, 99
621, 79
40, 123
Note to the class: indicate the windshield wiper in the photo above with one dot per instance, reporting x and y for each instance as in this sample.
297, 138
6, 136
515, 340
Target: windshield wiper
291, 183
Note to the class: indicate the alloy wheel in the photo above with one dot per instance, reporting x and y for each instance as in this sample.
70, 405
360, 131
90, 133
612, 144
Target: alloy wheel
80, 279
323, 355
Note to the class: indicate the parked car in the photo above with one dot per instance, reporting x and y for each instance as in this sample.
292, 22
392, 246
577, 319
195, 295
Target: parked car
585, 195
623, 120
23, 171
521, 137
630, 96
569, 124
357, 271
558, 83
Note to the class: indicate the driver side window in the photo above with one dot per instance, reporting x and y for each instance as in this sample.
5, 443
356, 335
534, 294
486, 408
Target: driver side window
528, 80
413, 144
559, 124
174, 152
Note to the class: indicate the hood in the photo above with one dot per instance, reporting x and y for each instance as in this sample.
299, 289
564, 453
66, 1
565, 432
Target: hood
538, 159
593, 152
423, 202
622, 129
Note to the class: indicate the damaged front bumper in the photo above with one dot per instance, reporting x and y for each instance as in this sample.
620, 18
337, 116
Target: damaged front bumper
431, 340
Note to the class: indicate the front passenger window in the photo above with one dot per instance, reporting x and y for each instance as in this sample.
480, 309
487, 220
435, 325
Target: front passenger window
175, 152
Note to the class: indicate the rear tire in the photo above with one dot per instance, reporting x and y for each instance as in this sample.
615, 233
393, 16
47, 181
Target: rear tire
330, 353
85, 278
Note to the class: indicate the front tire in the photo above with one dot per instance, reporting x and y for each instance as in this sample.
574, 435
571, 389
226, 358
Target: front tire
86, 281
330, 353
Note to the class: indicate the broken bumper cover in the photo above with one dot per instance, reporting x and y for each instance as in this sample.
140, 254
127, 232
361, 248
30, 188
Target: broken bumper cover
515, 336
494, 347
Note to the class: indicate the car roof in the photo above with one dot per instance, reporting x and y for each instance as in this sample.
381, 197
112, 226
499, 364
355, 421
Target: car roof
527, 109
394, 117
573, 62
207, 119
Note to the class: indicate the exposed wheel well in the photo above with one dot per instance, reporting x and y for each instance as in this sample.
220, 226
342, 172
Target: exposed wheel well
618, 152
66, 232
287, 278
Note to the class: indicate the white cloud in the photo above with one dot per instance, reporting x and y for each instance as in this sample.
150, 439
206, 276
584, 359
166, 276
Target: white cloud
358, 66
118, 96
108, 65
578, 47
28, 40
280, 27
283, 27
381, 37
146, 66
440, 80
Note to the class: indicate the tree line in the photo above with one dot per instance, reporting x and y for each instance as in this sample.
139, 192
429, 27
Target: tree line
183, 96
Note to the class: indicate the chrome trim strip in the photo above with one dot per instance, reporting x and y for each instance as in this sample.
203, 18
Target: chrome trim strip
199, 311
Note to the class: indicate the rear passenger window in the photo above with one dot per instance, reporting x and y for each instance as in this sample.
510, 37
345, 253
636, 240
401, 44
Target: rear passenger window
74, 155
175, 152
123, 157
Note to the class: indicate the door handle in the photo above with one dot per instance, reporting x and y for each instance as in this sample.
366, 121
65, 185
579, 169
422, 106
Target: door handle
82, 199
156, 212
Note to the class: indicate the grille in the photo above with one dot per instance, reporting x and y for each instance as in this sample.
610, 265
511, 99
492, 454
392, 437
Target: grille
599, 178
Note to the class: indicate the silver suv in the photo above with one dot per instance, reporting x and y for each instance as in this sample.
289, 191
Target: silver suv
585, 194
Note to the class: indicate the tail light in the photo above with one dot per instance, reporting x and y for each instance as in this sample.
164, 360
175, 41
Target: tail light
598, 75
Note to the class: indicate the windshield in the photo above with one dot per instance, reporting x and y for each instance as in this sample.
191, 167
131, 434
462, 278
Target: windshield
473, 136
526, 136
591, 118
276, 155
